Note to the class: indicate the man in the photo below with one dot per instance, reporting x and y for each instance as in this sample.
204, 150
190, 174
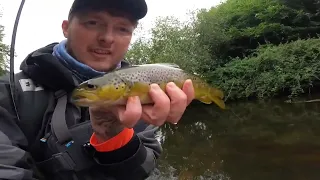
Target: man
44, 136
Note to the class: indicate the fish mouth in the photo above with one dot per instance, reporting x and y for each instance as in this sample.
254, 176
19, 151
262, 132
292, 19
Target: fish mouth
82, 98
83, 102
78, 97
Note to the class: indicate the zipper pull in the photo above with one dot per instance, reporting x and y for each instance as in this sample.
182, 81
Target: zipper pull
44, 139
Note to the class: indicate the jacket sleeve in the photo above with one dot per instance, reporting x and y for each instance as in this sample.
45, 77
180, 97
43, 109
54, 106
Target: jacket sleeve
137, 159
15, 161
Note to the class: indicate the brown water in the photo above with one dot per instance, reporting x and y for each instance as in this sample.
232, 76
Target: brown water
249, 141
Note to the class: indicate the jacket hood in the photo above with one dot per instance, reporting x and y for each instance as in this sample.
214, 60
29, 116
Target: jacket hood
46, 69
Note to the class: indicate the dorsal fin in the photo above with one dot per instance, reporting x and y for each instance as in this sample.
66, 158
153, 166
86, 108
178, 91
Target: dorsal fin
169, 64
150, 64
162, 64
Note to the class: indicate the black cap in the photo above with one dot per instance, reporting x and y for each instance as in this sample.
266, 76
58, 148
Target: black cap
135, 8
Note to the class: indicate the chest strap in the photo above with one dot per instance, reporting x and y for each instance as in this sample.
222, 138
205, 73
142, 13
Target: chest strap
58, 122
75, 155
72, 144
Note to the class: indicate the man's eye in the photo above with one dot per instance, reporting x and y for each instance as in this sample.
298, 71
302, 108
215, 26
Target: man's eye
91, 22
124, 29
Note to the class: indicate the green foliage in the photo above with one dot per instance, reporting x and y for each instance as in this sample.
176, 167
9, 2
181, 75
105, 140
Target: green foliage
172, 41
252, 48
139, 52
4, 52
290, 67
212, 35
250, 23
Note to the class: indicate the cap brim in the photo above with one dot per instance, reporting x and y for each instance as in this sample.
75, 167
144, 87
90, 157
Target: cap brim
135, 8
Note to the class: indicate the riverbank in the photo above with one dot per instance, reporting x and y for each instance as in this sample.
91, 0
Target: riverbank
307, 98
290, 69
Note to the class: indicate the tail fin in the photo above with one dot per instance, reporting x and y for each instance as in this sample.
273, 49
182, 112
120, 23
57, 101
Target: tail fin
218, 100
217, 96
212, 95
216, 92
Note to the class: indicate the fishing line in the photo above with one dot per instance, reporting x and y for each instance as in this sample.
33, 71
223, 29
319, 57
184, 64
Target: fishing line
12, 50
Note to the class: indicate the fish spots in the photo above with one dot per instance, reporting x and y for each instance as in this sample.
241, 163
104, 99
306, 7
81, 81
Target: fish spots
125, 76
152, 74
115, 87
116, 82
120, 86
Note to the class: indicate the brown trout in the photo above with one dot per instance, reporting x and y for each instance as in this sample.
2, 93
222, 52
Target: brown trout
115, 87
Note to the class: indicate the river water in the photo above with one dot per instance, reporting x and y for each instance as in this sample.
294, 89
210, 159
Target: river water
248, 141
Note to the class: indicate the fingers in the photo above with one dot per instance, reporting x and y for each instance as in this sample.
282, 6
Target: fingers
188, 89
131, 113
178, 104
168, 107
158, 113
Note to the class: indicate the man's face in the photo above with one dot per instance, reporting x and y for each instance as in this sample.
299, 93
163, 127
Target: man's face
98, 39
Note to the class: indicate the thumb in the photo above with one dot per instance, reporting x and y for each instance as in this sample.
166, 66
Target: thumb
131, 113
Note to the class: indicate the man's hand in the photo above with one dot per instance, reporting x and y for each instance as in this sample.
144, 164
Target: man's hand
166, 108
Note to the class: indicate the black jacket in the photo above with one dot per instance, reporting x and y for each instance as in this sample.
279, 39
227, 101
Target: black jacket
29, 147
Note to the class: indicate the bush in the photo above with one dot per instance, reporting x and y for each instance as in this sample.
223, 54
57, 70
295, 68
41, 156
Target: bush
290, 67
246, 24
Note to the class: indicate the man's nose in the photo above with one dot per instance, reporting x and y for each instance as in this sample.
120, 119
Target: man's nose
106, 36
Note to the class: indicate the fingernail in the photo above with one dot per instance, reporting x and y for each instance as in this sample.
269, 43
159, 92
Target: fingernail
154, 86
133, 99
171, 84
190, 88
189, 81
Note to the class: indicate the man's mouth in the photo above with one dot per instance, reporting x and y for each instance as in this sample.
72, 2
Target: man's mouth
101, 51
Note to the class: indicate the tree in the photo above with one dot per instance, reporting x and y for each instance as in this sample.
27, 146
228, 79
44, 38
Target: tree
248, 48
4, 52
172, 41
249, 24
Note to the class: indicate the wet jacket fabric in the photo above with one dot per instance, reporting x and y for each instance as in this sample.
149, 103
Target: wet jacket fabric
49, 137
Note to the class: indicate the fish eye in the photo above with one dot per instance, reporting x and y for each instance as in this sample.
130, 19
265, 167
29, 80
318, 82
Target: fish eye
91, 86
